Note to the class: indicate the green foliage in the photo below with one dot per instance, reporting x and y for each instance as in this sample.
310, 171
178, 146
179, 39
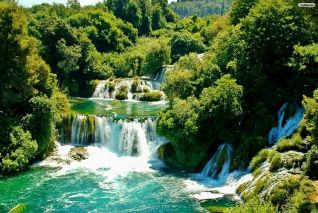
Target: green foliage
275, 162
92, 86
186, 121
105, 31
240, 9
151, 96
296, 142
20, 208
183, 44
157, 55
178, 84
144, 15
186, 8
311, 163
41, 123
210, 31
254, 205
259, 159
23, 72
31, 104
21, 150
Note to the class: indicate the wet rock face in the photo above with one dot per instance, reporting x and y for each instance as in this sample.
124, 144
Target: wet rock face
78, 153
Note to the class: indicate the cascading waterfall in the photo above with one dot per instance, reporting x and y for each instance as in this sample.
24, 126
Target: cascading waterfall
123, 137
103, 88
216, 174
218, 167
285, 129
79, 130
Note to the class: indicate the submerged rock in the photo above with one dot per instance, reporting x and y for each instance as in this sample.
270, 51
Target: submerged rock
78, 153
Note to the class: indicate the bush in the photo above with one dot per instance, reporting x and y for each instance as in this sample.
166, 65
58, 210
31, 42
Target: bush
254, 205
259, 159
122, 92
151, 96
294, 143
182, 44
282, 191
41, 123
275, 162
23, 149
311, 164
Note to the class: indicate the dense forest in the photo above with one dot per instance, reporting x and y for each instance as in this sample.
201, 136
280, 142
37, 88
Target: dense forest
257, 56
200, 7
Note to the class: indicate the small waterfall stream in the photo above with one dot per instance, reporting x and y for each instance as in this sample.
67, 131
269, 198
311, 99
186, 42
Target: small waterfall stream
285, 129
217, 170
109, 88
218, 167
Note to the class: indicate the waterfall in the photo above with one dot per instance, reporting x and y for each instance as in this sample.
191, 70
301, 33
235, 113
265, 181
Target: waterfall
285, 129
123, 137
218, 167
109, 88
79, 130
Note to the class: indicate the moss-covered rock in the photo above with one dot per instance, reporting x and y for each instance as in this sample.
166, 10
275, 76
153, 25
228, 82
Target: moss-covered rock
151, 96
146, 89
78, 153
122, 92
292, 159
110, 86
135, 86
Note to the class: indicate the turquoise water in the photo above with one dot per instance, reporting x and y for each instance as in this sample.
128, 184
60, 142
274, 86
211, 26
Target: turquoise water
105, 107
108, 181
82, 191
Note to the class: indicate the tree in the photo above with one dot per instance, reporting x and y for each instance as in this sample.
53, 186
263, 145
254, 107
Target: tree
157, 56
158, 20
20, 65
69, 58
183, 44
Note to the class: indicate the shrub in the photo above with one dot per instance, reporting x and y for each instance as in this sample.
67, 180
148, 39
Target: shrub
311, 164
259, 159
122, 92
253, 205
275, 162
23, 149
151, 96
283, 190
294, 143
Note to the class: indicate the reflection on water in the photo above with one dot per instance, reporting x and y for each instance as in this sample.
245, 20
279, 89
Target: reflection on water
107, 107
